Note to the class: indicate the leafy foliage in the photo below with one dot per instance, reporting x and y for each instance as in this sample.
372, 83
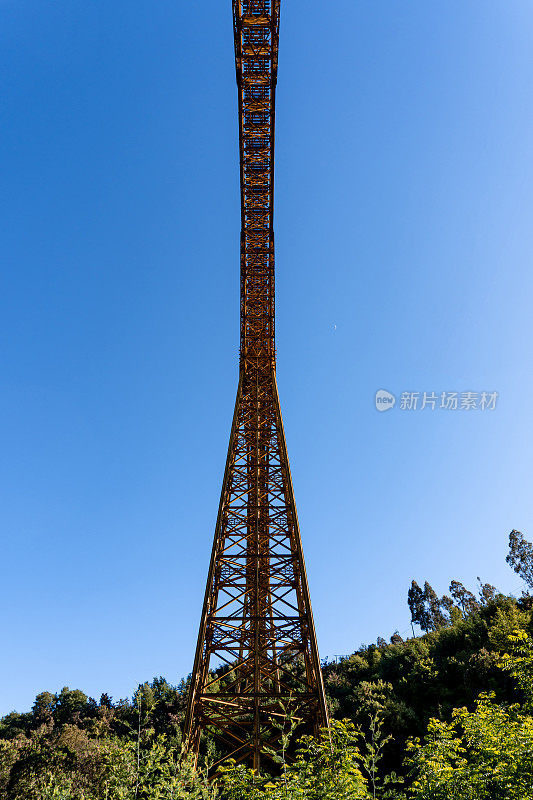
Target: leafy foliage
520, 557
324, 769
485, 753
446, 714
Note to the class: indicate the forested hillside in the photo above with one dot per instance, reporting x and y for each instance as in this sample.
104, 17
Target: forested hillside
440, 715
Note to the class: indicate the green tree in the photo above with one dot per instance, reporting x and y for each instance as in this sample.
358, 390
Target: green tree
416, 600
520, 557
484, 754
425, 607
464, 599
325, 768
487, 592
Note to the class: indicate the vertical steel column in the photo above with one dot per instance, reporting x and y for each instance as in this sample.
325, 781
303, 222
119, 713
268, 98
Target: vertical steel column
256, 620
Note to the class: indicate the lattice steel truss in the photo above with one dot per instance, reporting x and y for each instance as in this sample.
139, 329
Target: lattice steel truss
257, 617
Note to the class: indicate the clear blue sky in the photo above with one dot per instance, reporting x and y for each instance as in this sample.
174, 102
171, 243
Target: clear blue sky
404, 189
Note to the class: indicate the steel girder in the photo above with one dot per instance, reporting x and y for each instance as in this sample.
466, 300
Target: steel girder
257, 620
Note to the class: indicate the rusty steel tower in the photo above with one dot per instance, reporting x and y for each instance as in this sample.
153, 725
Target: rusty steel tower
256, 619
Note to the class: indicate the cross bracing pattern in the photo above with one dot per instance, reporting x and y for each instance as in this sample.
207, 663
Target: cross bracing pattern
257, 623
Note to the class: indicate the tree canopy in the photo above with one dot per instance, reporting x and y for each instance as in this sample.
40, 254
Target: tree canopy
448, 713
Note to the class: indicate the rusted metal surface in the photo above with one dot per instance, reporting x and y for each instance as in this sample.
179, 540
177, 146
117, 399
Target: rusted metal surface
257, 617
